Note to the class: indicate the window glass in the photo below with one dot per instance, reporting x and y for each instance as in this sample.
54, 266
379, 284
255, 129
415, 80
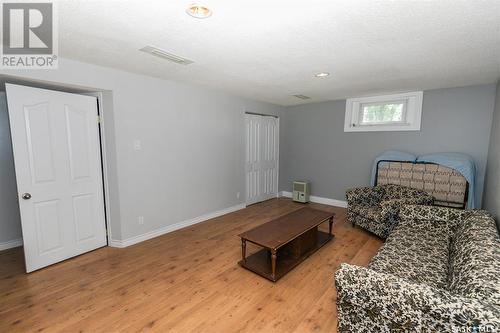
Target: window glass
382, 113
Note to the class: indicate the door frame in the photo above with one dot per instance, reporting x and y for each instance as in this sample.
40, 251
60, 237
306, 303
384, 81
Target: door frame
245, 112
95, 92
278, 160
104, 164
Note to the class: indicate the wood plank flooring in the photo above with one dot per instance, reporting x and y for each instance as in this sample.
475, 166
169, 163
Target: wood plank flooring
184, 281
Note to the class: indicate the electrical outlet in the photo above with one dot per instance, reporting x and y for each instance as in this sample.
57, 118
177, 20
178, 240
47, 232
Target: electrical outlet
140, 220
237, 195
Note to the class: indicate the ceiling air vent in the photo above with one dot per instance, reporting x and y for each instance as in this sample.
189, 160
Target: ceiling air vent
302, 96
165, 55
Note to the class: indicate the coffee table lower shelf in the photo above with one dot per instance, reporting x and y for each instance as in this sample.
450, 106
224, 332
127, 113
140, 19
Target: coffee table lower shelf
260, 261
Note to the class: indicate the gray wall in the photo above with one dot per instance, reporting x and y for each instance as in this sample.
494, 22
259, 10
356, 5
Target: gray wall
10, 223
192, 159
191, 162
492, 181
315, 146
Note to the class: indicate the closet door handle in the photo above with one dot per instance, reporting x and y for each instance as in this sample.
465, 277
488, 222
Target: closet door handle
26, 196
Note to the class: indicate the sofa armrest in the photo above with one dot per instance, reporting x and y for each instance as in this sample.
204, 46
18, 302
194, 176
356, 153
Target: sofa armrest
369, 196
412, 306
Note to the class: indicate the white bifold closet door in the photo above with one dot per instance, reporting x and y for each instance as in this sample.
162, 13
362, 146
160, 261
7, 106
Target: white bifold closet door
55, 140
261, 163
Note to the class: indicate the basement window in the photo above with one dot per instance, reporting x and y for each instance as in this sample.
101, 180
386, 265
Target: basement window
398, 112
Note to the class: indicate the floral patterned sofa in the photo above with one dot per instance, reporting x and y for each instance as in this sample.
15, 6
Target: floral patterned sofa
376, 208
439, 271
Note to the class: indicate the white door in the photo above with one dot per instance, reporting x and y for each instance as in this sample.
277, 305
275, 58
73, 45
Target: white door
269, 157
261, 163
55, 141
252, 161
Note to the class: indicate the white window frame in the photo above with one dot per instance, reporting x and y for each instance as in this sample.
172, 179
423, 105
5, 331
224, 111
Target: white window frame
412, 113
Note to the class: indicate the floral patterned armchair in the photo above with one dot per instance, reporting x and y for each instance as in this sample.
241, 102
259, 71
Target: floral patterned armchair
376, 208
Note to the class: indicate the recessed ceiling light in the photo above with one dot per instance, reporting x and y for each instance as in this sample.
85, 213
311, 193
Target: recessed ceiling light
198, 11
322, 74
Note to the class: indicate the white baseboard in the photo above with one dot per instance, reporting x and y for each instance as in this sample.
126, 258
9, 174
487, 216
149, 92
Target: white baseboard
10, 244
320, 200
173, 227
285, 194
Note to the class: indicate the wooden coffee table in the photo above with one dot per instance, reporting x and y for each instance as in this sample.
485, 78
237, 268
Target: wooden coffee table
286, 242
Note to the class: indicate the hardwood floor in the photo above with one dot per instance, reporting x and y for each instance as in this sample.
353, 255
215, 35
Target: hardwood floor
185, 281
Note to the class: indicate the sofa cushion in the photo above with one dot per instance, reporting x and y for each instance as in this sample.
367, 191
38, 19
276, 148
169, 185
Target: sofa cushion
416, 251
475, 259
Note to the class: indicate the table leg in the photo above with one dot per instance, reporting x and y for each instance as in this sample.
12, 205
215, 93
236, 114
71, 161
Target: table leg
244, 250
273, 264
330, 224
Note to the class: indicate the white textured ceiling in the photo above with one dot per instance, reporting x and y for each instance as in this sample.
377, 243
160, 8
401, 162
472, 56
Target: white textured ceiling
270, 49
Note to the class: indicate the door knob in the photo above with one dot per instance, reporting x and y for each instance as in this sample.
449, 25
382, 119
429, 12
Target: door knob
26, 196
